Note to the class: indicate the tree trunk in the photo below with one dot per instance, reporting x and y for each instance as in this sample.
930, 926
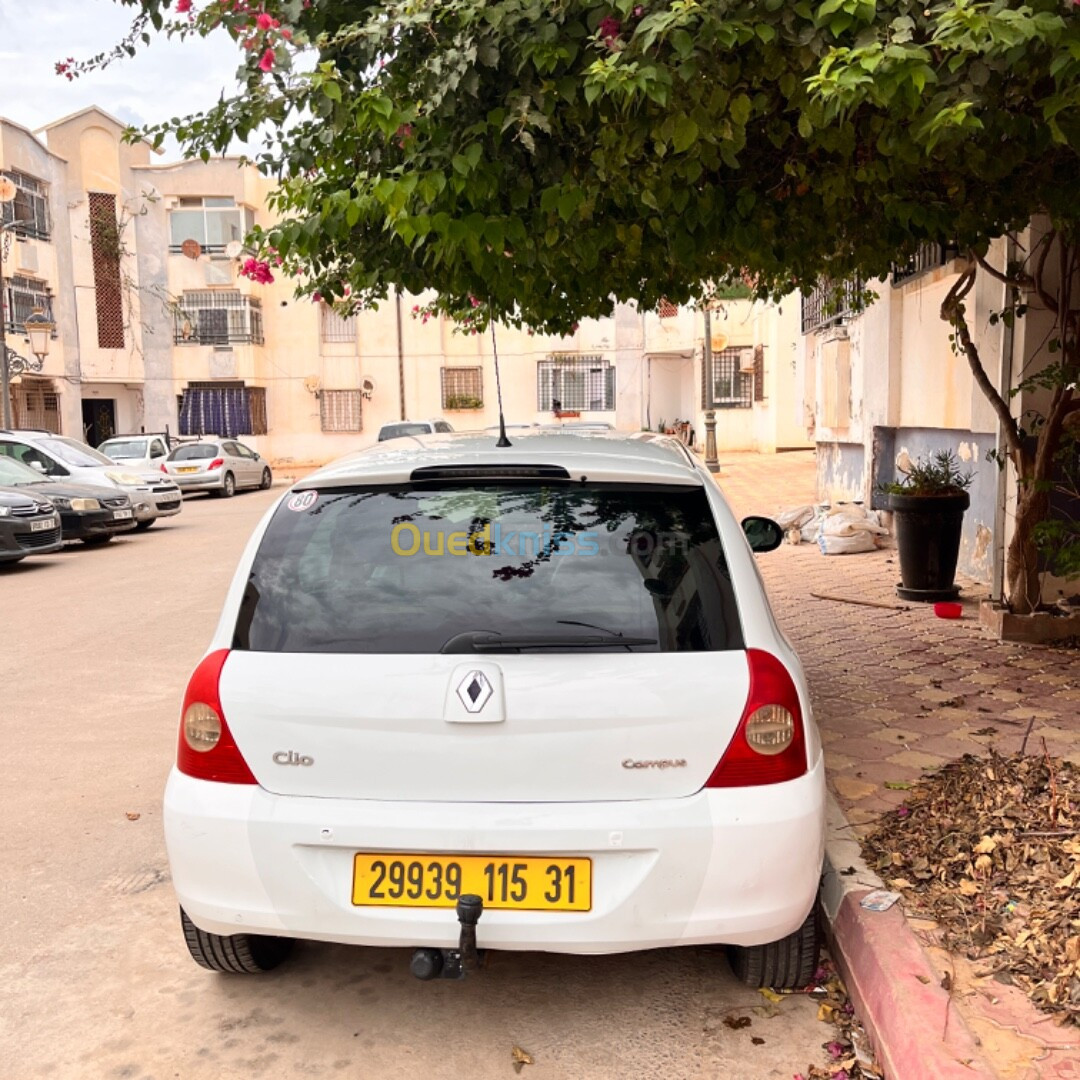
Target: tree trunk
1022, 560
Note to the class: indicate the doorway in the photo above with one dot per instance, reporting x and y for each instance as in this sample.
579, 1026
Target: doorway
671, 390
99, 420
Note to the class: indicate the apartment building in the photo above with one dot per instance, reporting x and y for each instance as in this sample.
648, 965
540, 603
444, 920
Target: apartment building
138, 263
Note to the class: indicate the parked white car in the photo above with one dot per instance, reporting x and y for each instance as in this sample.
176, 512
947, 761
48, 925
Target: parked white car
403, 428
144, 451
152, 495
529, 698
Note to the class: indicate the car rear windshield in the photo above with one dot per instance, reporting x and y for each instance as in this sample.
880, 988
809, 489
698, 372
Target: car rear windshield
397, 431
427, 569
194, 453
124, 448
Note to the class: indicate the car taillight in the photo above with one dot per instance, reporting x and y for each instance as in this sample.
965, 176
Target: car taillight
164, 470
216, 463
206, 747
769, 745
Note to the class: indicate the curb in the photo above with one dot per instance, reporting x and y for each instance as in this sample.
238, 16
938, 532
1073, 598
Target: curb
916, 1030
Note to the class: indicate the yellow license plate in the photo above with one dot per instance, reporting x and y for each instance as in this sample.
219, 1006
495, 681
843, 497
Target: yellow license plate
532, 883
188, 468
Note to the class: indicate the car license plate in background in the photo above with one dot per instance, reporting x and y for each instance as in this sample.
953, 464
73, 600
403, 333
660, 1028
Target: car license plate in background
188, 468
41, 526
120, 515
545, 883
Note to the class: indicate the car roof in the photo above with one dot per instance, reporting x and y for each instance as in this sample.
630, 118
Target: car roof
601, 456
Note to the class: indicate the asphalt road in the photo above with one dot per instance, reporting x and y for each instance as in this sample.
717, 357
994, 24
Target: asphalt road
95, 980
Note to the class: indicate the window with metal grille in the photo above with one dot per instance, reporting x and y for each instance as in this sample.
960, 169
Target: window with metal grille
21, 296
725, 386
341, 410
35, 406
568, 382
337, 327
462, 388
667, 310
105, 249
224, 409
217, 317
30, 207
215, 221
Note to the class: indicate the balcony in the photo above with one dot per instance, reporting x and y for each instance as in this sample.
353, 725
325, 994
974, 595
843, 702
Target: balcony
830, 304
220, 319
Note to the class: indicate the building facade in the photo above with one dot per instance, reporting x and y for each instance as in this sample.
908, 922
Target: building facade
138, 264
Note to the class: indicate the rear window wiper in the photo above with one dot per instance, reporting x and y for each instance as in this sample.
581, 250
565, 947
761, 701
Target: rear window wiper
487, 641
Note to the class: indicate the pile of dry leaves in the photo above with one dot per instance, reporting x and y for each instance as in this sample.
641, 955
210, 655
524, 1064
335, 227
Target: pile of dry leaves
989, 847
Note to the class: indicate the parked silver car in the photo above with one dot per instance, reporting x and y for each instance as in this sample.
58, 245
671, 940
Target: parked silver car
219, 465
152, 495
401, 429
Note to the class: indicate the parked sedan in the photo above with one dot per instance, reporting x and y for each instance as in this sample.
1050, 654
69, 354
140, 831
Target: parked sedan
28, 525
90, 514
221, 466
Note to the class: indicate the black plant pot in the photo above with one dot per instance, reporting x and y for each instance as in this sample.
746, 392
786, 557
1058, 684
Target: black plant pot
928, 538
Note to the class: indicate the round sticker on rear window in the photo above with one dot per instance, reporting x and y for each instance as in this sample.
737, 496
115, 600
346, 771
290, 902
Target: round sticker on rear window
302, 500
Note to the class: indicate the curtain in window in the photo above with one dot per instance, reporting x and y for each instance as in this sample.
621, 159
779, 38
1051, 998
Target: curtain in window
218, 410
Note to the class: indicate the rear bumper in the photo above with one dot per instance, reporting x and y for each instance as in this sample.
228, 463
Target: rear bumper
729, 866
199, 481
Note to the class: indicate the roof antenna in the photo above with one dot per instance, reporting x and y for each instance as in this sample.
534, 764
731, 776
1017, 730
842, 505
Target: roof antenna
503, 440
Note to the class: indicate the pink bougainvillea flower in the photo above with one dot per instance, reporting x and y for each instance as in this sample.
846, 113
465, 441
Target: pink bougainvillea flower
834, 1049
264, 21
183, 7
316, 297
266, 61
609, 29
903, 811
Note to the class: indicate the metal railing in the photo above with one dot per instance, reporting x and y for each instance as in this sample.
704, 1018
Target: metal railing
927, 256
830, 304
218, 318
20, 300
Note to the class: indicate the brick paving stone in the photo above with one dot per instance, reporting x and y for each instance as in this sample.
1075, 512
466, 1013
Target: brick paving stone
917, 759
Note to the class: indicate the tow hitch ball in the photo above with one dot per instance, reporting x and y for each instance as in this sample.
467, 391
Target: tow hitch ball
453, 963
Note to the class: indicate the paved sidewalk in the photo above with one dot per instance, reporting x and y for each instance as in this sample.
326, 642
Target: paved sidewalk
897, 693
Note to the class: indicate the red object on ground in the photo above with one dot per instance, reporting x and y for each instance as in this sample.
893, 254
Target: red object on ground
948, 610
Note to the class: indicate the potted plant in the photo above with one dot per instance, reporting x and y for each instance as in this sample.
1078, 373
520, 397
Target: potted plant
928, 506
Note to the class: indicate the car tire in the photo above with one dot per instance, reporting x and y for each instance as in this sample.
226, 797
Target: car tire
267, 480
787, 964
142, 526
228, 486
97, 541
238, 954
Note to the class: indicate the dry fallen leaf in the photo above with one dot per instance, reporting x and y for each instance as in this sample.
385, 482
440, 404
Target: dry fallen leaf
757, 1040
736, 1022
132, 816
985, 846
771, 995
924, 979
520, 1058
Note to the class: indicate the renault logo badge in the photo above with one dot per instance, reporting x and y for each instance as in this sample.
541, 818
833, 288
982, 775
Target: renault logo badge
474, 691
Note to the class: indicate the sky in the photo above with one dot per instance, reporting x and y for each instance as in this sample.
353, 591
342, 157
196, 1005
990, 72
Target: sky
167, 78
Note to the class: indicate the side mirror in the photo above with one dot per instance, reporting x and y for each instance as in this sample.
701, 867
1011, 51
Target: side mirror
763, 533
39, 465
257, 455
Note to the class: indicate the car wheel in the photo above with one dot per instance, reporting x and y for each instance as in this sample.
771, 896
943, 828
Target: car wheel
787, 964
97, 541
228, 486
266, 481
238, 954
142, 526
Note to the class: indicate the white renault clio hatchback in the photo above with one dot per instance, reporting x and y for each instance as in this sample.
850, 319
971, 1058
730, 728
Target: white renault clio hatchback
532, 697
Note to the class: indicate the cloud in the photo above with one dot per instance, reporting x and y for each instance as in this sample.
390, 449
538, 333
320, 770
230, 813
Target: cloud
167, 78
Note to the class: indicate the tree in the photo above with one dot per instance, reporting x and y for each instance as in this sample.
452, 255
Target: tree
550, 156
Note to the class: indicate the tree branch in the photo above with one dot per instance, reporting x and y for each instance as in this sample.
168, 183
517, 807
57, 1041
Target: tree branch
1023, 281
952, 311
1050, 301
